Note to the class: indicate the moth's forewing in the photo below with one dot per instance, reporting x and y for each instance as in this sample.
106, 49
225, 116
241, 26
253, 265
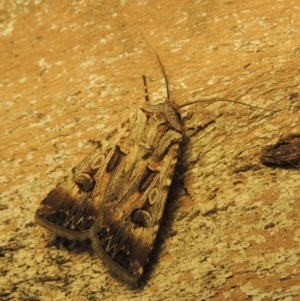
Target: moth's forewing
135, 197
71, 208
67, 211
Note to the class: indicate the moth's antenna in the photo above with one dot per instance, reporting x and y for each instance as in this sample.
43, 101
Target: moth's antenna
214, 99
160, 63
145, 88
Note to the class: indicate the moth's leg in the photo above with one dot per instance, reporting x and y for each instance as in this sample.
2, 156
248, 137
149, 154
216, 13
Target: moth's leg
192, 130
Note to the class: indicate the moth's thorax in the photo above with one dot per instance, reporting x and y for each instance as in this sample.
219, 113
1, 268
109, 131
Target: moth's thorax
169, 112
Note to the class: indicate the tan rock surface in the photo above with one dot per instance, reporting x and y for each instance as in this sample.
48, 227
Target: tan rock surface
71, 71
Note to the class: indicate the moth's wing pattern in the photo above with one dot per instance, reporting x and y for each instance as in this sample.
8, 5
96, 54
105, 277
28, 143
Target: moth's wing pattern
134, 199
117, 194
72, 207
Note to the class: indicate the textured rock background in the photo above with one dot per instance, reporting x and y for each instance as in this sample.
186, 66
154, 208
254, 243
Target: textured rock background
71, 71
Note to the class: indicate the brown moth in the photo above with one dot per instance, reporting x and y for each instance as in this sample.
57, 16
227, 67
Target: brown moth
121, 218
117, 194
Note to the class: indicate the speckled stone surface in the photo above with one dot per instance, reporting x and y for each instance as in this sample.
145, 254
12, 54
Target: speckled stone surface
71, 71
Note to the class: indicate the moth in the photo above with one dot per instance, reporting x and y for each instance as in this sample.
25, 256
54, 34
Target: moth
285, 153
116, 195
